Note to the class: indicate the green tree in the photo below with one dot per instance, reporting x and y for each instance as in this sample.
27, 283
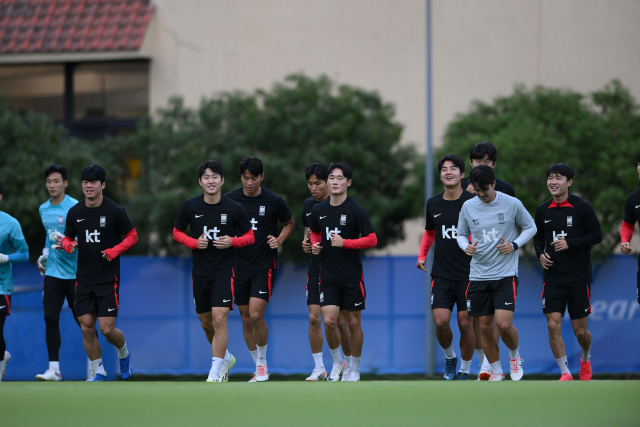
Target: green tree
299, 121
598, 135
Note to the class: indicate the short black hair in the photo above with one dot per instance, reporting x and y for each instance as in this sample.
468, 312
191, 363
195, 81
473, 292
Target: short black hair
93, 173
451, 158
1, 189
346, 170
319, 170
55, 168
638, 158
560, 169
482, 176
253, 165
482, 149
214, 165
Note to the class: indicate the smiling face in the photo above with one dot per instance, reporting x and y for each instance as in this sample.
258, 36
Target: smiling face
338, 183
318, 187
558, 185
450, 174
92, 189
56, 185
211, 182
250, 183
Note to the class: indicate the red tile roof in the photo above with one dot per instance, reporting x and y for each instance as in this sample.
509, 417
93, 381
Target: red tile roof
42, 26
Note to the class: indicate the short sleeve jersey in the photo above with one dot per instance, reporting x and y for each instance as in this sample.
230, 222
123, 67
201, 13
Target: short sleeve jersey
314, 262
632, 210
11, 241
442, 217
214, 221
97, 229
263, 211
60, 264
501, 186
350, 221
575, 221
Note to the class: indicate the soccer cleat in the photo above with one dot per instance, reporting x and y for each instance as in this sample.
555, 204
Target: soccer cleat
49, 375
253, 377
496, 377
97, 378
125, 367
585, 370
3, 364
226, 367
484, 374
345, 374
353, 376
318, 374
566, 377
213, 379
263, 373
515, 369
463, 376
450, 366
337, 370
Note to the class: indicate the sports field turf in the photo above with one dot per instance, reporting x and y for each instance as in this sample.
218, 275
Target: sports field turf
367, 403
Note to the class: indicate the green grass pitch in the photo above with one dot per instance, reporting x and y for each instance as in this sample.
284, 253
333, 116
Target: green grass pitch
296, 403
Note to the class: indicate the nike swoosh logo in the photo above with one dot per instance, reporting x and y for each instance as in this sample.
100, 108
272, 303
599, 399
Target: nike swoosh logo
262, 292
198, 216
637, 206
308, 214
508, 303
586, 309
323, 217
436, 216
545, 221
226, 300
110, 309
2, 307
358, 304
80, 220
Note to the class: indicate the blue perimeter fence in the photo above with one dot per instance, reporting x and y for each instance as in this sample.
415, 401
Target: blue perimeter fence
158, 318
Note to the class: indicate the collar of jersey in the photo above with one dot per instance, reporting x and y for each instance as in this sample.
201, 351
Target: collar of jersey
564, 204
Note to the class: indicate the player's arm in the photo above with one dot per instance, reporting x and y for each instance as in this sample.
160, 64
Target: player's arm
42, 259
463, 234
365, 229
69, 242
592, 224
314, 229
19, 245
244, 226
285, 217
626, 228
306, 243
428, 238
125, 226
526, 223
180, 226
539, 240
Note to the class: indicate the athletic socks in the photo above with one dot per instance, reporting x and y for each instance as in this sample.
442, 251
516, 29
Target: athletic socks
216, 364
337, 356
349, 360
123, 352
465, 366
514, 354
355, 364
254, 354
564, 366
496, 367
485, 365
55, 366
449, 353
317, 357
262, 355
227, 356
480, 356
98, 367
586, 355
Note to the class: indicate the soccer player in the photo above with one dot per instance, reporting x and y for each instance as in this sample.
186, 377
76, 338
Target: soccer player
340, 227
567, 227
493, 219
317, 176
58, 267
213, 218
631, 216
485, 153
98, 223
450, 271
13, 248
256, 265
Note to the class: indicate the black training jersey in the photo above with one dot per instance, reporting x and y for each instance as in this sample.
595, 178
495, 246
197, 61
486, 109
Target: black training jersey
442, 216
97, 229
632, 210
501, 186
215, 221
264, 211
350, 221
576, 221
314, 262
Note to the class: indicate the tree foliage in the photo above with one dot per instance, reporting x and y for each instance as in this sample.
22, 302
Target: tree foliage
598, 135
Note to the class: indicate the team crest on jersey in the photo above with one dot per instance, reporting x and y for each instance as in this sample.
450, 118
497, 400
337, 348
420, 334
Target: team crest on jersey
500, 218
103, 221
468, 304
60, 220
343, 220
307, 294
569, 221
543, 302
321, 296
431, 299
223, 218
262, 211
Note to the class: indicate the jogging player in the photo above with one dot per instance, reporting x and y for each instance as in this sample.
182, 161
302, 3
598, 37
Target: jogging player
493, 219
340, 227
13, 248
317, 175
99, 223
213, 218
450, 271
256, 265
567, 227
631, 216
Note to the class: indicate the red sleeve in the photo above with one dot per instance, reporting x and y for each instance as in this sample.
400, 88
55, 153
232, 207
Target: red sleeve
428, 238
365, 242
315, 238
626, 231
66, 244
130, 239
181, 237
247, 239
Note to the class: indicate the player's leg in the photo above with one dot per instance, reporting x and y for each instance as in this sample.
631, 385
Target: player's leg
467, 342
443, 299
108, 296
354, 319
53, 294
345, 343
554, 302
330, 312
206, 323
579, 310
4, 354
91, 344
479, 302
315, 340
219, 344
202, 301
257, 308
504, 299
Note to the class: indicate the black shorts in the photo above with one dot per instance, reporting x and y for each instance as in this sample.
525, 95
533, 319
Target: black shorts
556, 298
5, 304
313, 290
253, 284
638, 284
445, 293
103, 298
486, 296
54, 291
212, 293
348, 296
